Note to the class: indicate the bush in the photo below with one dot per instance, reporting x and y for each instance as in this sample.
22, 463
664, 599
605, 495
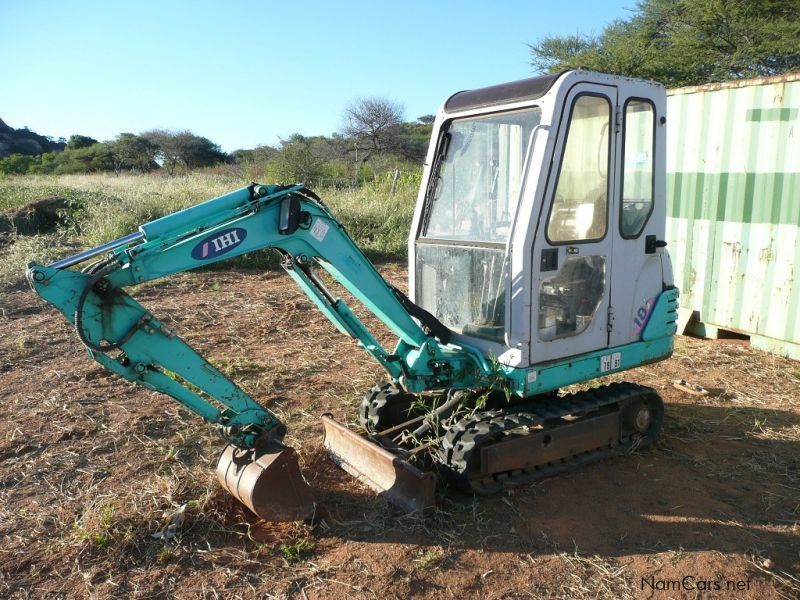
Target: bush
16, 164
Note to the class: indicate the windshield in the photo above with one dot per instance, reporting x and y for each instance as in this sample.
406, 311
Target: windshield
478, 176
460, 258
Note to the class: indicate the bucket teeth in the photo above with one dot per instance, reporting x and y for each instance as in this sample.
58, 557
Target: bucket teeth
268, 482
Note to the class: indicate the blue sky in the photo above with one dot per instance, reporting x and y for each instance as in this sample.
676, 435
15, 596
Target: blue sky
244, 73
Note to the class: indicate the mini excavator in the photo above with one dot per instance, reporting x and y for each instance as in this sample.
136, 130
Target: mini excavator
536, 261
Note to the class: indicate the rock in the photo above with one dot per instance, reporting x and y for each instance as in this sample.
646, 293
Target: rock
39, 216
768, 564
27, 146
172, 524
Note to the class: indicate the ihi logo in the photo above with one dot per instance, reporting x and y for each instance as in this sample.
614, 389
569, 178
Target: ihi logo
219, 243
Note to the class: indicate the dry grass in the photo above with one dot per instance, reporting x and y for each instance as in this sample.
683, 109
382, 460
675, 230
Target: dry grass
106, 207
89, 464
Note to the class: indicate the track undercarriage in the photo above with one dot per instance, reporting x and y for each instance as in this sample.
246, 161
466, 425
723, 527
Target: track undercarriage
486, 443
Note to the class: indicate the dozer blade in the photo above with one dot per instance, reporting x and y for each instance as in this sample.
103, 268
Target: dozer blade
268, 482
396, 480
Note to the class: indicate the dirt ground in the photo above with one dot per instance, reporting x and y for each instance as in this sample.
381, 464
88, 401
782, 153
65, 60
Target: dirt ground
90, 463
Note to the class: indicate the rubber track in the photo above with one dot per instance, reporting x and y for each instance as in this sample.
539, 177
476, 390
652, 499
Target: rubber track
470, 433
378, 407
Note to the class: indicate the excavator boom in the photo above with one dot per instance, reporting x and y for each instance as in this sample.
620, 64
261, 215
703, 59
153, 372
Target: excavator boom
127, 339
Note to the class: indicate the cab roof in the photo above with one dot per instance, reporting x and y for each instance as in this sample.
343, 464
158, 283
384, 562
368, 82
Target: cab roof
514, 91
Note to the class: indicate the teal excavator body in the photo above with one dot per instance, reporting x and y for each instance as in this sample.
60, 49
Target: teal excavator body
126, 338
491, 415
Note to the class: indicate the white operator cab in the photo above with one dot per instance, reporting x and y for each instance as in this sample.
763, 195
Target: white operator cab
537, 236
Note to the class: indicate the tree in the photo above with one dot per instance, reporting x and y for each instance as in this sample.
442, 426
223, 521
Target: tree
296, 161
374, 122
47, 163
413, 141
133, 152
183, 147
685, 42
427, 119
94, 158
197, 151
167, 150
259, 154
80, 141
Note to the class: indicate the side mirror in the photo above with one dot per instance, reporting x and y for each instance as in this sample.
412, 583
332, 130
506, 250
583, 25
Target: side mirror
289, 218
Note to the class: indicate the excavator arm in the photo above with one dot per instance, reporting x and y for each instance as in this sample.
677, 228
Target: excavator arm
126, 338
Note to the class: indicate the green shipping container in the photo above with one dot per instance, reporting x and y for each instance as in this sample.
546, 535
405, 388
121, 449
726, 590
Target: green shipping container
733, 208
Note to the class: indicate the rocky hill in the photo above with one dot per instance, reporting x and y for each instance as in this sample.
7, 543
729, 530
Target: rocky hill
25, 141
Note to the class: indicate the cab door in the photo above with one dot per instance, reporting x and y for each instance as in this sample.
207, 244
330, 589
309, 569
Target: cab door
574, 242
640, 214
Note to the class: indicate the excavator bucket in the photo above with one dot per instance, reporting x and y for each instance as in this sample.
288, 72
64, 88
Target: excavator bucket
395, 479
268, 482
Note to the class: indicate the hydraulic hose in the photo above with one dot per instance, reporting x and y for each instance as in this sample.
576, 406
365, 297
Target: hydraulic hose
94, 267
439, 412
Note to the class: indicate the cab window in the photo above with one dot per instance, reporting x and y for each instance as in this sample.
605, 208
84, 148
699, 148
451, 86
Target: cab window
637, 170
580, 205
479, 177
